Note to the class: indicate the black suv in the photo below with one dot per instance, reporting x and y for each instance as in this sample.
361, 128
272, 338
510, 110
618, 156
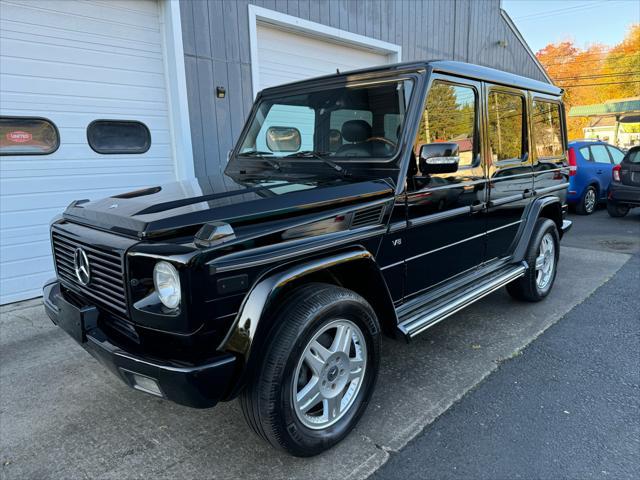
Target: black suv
624, 191
377, 201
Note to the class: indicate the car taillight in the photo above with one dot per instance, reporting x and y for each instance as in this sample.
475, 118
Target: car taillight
616, 173
573, 163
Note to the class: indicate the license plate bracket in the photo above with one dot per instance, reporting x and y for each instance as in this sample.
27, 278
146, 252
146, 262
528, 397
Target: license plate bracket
76, 321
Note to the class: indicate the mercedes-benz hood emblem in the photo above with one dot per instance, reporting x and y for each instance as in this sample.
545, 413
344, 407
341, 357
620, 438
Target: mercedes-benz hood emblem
81, 266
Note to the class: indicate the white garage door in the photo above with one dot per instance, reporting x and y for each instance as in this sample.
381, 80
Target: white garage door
285, 56
73, 63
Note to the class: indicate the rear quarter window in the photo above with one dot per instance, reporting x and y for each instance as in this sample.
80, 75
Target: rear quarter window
586, 154
547, 131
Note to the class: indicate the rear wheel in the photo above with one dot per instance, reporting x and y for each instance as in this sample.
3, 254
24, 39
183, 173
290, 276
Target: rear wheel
318, 372
617, 209
542, 259
587, 203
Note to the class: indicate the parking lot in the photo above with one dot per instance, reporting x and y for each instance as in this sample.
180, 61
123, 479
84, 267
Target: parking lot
63, 416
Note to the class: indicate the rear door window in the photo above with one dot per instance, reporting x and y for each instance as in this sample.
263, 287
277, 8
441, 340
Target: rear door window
600, 154
27, 136
506, 126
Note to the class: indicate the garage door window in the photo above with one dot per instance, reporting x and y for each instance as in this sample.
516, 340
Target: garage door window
118, 136
28, 136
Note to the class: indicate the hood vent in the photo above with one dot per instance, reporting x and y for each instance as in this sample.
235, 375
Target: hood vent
368, 216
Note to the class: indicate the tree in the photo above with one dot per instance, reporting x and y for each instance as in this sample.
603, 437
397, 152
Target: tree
595, 74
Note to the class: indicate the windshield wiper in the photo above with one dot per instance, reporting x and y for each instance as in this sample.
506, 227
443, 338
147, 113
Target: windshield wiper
261, 155
320, 156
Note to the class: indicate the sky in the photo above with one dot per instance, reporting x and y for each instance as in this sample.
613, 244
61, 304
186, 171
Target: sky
584, 21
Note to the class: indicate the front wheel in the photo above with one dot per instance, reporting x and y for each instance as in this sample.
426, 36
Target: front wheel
617, 209
318, 372
542, 258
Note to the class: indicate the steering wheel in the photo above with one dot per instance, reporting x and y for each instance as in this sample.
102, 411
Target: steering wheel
381, 139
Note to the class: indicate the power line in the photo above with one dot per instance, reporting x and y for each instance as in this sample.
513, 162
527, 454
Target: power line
598, 84
559, 11
595, 77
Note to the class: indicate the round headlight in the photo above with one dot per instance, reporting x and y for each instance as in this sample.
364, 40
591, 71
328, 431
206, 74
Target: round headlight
167, 283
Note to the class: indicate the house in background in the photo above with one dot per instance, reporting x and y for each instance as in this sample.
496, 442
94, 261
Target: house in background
615, 121
104, 97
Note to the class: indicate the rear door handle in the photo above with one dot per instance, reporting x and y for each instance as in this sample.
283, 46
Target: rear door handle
600, 171
528, 193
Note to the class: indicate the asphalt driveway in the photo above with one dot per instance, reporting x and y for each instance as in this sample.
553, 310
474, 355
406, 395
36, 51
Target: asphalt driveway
63, 416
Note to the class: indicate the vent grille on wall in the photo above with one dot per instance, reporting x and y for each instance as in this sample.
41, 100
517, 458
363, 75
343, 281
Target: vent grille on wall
368, 216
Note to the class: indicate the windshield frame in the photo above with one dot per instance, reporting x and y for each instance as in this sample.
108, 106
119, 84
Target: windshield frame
343, 161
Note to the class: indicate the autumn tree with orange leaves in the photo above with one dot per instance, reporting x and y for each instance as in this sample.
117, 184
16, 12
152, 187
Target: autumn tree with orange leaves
595, 74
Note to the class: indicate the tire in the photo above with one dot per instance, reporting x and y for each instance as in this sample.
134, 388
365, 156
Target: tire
588, 202
311, 318
617, 209
531, 287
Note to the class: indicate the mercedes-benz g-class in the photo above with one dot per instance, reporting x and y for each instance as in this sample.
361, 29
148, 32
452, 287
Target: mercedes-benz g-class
373, 202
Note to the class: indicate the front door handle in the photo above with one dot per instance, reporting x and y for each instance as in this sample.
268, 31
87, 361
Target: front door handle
600, 172
528, 193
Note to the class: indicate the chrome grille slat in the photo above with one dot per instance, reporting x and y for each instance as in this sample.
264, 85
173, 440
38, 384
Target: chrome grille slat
106, 287
73, 244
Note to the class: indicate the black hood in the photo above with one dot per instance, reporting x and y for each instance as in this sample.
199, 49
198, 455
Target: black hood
177, 207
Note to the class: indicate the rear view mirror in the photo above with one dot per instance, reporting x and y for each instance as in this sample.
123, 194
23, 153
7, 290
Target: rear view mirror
439, 158
283, 139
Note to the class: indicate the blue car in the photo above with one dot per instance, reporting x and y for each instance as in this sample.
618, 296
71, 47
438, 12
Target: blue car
591, 162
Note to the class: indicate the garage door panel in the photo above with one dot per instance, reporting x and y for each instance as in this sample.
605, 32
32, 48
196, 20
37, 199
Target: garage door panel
57, 183
26, 249
67, 103
54, 58
33, 84
27, 165
65, 15
13, 236
47, 37
25, 286
74, 63
313, 56
74, 54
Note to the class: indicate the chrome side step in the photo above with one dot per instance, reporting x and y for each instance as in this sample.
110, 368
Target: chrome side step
420, 320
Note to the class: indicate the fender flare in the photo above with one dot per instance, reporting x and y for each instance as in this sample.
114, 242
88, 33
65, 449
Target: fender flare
241, 338
527, 227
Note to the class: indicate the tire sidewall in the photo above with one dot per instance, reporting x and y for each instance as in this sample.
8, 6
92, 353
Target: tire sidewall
305, 440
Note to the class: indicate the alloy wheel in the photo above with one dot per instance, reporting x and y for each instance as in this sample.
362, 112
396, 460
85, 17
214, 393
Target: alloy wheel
329, 374
545, 261
590, 200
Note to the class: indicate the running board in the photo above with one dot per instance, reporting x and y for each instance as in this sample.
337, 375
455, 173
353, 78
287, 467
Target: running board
419, 320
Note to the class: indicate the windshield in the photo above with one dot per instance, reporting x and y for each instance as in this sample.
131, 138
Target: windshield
336, 125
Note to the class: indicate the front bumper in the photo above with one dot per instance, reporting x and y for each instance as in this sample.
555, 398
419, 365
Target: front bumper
198, 386
624, 194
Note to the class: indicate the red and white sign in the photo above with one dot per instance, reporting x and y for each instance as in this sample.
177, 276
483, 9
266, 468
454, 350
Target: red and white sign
19, 136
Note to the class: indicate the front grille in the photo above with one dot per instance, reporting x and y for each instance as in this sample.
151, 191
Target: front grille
106, 286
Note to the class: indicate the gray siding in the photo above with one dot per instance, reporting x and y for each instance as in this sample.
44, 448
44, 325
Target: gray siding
216, 46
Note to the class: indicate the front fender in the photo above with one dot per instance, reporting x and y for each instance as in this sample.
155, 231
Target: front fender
242, 335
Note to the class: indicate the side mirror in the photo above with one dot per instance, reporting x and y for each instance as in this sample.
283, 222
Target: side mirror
283, 139
439, 158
